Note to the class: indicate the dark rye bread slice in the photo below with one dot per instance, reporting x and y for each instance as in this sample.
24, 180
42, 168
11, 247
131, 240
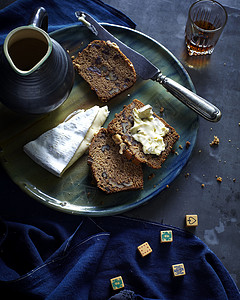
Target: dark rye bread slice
107, 70
120, 127
112, 171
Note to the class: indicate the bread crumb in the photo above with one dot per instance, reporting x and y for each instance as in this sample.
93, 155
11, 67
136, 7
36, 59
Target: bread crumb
219, 179
161, 110
180, 146
188, 144
167, 186
215, 141
187, 175
203, 185
151, 176
234, 179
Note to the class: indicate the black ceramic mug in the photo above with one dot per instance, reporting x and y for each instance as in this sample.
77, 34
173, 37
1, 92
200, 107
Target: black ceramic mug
37, 74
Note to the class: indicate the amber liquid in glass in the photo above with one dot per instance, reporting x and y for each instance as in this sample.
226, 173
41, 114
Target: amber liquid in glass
201, 41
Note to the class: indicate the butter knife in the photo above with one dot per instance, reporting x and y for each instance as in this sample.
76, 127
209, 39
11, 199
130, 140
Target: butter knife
146, 70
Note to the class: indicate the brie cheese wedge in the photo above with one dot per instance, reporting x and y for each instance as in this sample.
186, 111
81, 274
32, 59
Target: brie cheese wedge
58, 148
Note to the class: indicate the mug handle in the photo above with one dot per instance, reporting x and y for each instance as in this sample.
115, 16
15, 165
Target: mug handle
40, 18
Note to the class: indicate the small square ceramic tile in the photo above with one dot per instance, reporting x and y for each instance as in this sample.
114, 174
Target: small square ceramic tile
166, 236
144, 249
178, 270
117, 283
191, 220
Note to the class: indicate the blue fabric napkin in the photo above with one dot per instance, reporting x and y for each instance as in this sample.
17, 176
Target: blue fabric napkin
39, 262
60, 14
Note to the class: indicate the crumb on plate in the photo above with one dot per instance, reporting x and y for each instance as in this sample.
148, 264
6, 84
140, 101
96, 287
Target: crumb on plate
188, 144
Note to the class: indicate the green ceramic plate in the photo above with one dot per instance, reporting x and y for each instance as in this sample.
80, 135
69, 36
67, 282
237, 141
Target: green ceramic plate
74, 192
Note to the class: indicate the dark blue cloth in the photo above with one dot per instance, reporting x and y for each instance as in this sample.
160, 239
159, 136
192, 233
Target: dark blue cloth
39, 262
60, 14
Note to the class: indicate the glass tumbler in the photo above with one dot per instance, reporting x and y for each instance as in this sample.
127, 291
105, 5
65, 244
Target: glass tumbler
205, 23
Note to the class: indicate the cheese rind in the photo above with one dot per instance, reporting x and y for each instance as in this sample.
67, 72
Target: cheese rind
58, 148
99, 120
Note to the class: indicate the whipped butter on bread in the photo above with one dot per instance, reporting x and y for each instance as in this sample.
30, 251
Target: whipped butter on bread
148, 130
58, 148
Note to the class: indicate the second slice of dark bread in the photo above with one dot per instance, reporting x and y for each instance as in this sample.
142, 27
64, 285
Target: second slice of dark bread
112, 171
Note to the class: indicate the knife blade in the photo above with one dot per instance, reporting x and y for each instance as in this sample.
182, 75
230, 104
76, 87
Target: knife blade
146, 70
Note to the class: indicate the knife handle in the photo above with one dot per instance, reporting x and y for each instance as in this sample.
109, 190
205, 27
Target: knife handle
201, 106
